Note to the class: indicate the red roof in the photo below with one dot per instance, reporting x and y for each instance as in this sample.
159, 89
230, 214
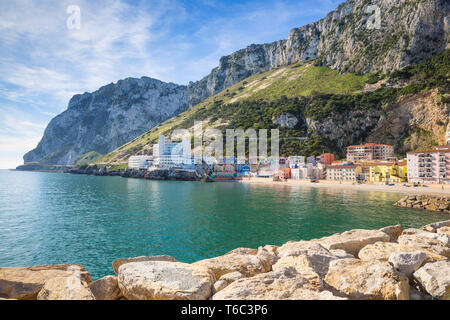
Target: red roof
350, 166
369, 145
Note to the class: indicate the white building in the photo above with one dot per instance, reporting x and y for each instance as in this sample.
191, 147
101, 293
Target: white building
172, 154
140, 162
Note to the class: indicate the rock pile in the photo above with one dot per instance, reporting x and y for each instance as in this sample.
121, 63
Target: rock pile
385, 264
427, 202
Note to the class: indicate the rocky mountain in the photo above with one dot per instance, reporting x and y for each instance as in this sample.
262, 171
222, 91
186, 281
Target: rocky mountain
409, 109
360, 36
107, 118
347, 39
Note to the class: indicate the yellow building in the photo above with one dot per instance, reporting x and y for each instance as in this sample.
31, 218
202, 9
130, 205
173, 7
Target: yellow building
388, 172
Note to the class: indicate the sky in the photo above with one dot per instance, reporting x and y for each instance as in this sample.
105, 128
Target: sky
47, 54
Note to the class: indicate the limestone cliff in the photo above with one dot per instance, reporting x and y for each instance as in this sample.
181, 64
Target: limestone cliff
106, 119
347, 39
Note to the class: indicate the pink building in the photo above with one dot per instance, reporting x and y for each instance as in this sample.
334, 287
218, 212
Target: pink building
429, 166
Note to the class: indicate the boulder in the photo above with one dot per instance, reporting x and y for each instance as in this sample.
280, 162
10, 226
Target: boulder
248, 262
303, 266
393, 231
407, 262
118, 262
419, 241
428, 235
354, 240
435, 279
25, 283
283, 284
65, 288
106, 288
383, 250
309, 258
373, 280
164, 280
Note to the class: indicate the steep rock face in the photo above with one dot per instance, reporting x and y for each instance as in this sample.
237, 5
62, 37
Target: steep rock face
409, 32
108, 118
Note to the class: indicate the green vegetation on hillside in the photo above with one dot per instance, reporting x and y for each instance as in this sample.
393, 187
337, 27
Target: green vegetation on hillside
87, 158
303, 90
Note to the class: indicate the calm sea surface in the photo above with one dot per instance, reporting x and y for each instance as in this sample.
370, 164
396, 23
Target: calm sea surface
50, 218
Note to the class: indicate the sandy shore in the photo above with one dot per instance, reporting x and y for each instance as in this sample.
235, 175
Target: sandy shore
398, 188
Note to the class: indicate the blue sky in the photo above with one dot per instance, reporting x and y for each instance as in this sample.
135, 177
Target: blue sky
43, 63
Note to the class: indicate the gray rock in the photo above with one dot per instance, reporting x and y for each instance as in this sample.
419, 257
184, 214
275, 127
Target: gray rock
407, 262
161, 280
435, 278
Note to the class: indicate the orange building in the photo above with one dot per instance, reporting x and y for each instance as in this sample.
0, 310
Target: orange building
327, 158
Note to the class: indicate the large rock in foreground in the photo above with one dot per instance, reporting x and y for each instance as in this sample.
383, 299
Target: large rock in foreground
435, 278
248, 262
118, 262
372, 280
283, 284
160, 280
354, 240
25, 283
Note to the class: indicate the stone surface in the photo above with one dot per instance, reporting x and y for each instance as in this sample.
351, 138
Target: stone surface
310, 259
443, 238
393, 231
106, 288
407, 262
226, 279
118, 262
354, 240
435, 278
25, 283
65, 288
374, 280
418, 241
283, 284
246, 261
383, 250
161, 280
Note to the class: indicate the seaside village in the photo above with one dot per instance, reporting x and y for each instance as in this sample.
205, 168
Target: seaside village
367, 163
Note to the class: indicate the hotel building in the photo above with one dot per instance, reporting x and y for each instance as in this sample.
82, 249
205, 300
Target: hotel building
172, 154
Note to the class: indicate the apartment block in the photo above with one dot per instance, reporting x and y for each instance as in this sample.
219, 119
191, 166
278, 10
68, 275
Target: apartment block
429, 166
342, 173
370, 151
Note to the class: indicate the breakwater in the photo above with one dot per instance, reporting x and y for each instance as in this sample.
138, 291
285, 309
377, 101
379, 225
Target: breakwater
385, 264
425, 202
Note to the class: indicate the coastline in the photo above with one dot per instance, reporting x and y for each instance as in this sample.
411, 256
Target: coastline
431, 189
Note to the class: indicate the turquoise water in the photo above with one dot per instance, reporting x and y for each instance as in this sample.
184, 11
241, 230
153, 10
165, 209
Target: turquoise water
50, 218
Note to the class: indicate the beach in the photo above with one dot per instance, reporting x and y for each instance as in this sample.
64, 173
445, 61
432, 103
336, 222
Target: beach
432, 189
